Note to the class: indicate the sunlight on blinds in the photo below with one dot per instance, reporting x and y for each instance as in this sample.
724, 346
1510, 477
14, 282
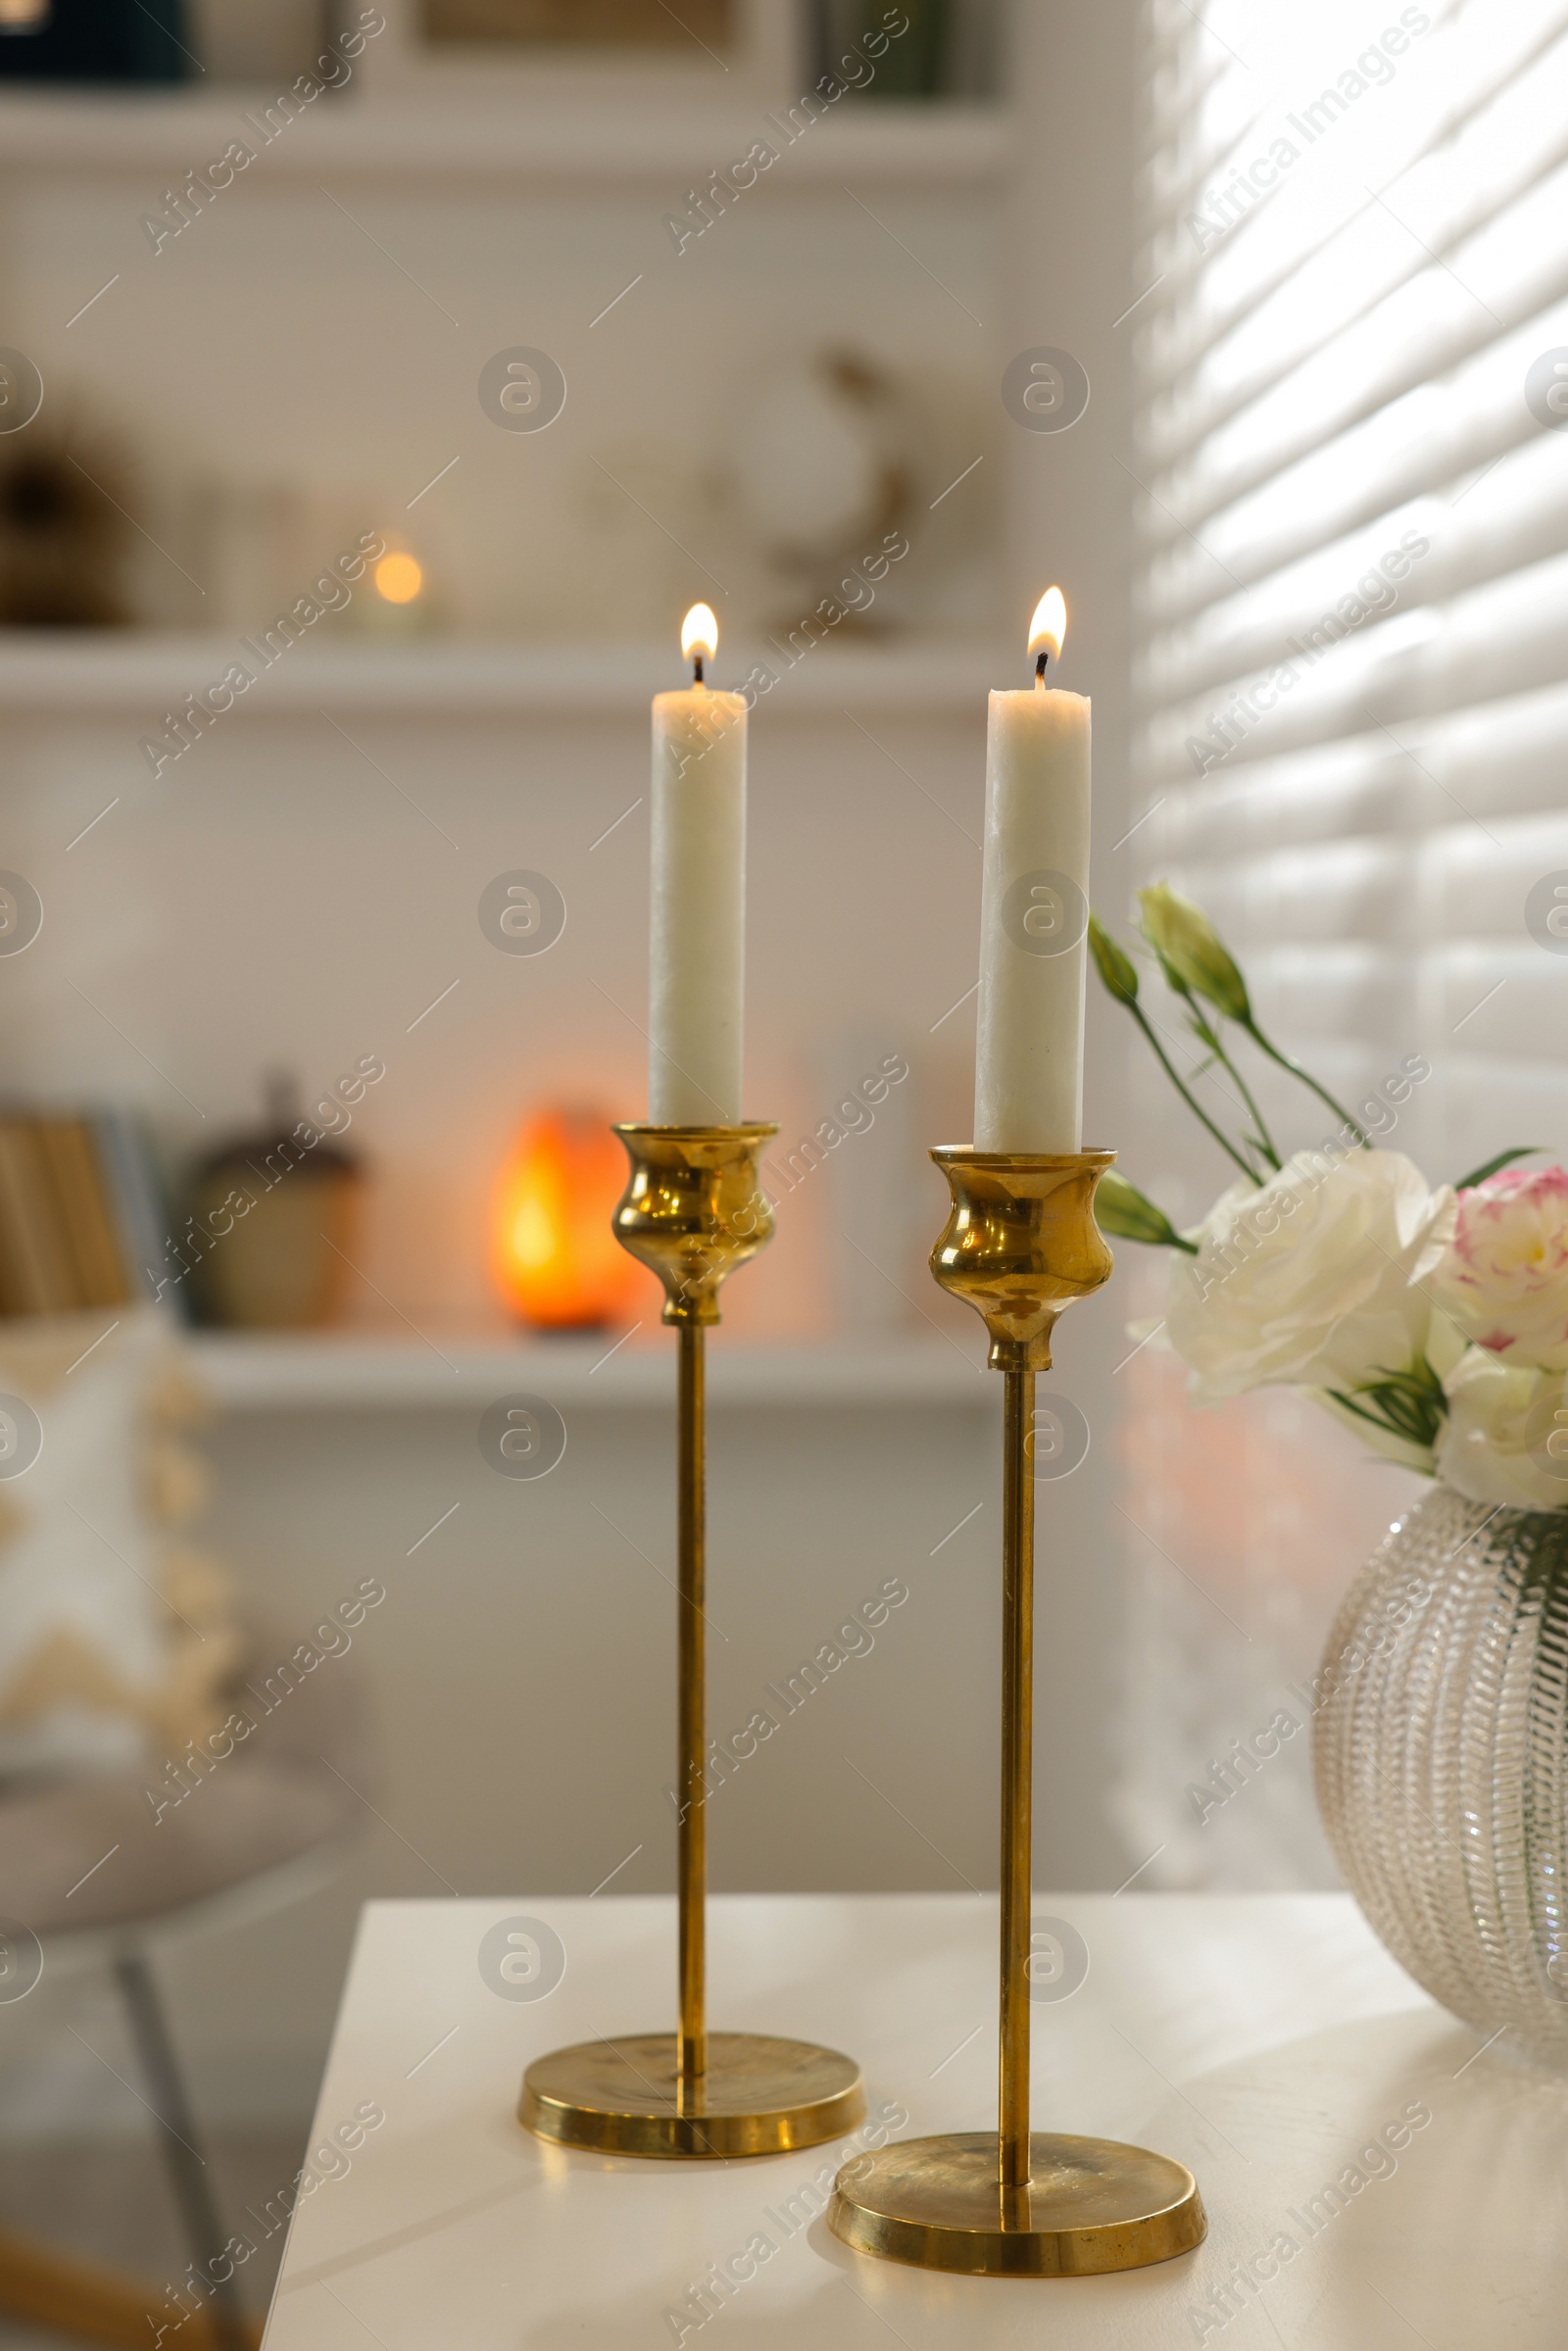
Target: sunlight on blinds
1353, 472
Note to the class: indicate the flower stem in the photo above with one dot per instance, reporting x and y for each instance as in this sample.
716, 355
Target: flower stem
1197, 1108
1265, 1140
1306, 1079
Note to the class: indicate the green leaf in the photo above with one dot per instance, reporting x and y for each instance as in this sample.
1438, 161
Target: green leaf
1478, 1175
1411, 1402
1122, 1209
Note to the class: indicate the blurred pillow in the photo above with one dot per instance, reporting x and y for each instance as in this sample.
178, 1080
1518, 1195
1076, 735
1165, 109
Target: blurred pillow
117, 1635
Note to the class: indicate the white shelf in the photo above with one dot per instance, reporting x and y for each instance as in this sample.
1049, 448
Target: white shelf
263, 1372
575, 138
71, 674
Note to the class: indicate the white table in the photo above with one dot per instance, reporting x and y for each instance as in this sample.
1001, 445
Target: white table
1265, 2039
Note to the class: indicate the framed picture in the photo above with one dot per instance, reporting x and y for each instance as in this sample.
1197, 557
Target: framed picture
493, 51
580, 23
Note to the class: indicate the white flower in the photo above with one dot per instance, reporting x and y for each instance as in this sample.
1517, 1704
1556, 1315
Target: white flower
1312, 1279
1506, 1439
1504, 1275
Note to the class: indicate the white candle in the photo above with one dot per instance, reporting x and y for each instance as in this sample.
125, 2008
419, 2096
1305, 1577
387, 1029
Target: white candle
1034, 910
697, 932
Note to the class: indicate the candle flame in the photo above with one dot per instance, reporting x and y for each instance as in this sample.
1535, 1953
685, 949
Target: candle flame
1049, 627
698, 634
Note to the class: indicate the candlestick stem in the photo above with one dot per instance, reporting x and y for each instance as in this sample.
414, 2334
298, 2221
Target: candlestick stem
692, 1866
1018, 1783
693, 1210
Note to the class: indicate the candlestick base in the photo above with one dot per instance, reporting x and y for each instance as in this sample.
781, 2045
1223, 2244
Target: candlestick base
1091, 2206
758, 2096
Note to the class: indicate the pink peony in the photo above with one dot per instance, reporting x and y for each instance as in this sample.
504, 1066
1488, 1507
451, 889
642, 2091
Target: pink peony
1503, 1277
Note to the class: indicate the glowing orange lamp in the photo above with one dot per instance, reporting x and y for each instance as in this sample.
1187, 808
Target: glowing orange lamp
554, 1260
398, 577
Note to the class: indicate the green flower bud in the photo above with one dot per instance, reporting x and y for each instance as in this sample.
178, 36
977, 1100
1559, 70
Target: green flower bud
1188, 946
1121, 1208
1114, 969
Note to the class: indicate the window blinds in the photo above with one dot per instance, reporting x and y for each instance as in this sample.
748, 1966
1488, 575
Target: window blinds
1352, 474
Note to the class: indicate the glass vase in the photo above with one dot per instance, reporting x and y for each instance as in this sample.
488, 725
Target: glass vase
1441, 1754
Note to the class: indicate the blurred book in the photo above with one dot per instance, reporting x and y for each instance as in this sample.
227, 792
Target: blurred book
584, 24
141, 1206
945, 49
81, 1223
93, 40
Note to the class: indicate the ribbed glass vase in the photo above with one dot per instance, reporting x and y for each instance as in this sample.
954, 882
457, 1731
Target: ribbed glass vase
1440, 1750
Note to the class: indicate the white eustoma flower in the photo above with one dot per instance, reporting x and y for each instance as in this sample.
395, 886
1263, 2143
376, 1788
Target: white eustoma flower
1506, 1439
1313, 1279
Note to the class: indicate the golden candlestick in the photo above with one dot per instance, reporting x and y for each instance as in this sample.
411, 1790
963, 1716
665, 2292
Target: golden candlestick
1020, 1246
693, 1210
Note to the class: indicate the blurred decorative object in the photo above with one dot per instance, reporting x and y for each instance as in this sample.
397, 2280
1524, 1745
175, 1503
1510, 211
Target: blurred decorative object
906, 63
398, 578
920, 49
95, 40
65, 532
824, 464
1441, 1765
583, 24
273, 1217
554, 1256
397, 600
114, 1631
